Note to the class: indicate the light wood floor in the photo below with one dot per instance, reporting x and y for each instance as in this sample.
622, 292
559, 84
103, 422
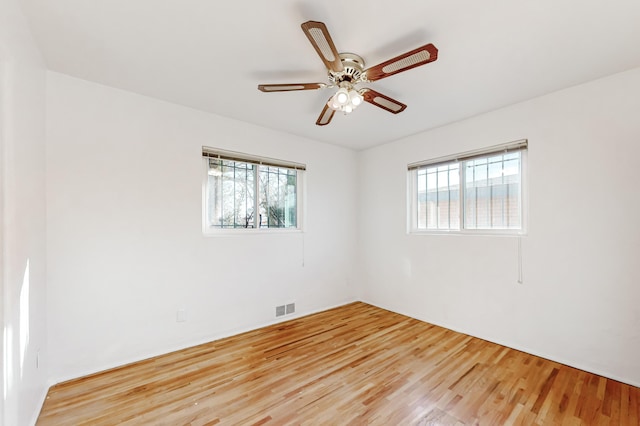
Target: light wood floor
356, 364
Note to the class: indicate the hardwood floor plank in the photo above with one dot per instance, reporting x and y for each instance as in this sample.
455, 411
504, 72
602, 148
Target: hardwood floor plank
356, 364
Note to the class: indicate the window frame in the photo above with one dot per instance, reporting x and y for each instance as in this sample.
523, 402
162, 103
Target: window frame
258, 162
412, 191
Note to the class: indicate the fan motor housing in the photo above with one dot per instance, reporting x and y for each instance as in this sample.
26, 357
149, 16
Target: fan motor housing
353, 65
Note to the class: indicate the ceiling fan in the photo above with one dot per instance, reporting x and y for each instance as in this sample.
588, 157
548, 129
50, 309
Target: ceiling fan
346, 70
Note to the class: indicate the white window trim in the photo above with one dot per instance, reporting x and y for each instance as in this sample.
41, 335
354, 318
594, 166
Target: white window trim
411, 205
208, 152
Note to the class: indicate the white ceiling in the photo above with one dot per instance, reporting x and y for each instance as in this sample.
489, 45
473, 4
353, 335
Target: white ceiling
211, 55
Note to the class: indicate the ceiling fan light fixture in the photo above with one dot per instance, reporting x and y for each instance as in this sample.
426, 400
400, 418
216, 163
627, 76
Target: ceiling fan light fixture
346, 99
342, 96
355, 97
333, 104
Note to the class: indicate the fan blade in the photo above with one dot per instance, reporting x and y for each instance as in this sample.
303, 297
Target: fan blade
319, 37
420, 56
290, 87
325, 116
383, 101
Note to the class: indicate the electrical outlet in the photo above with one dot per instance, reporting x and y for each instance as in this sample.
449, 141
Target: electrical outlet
181, 315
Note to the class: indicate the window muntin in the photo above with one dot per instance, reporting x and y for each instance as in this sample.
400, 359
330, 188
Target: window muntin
237, 186
490, 197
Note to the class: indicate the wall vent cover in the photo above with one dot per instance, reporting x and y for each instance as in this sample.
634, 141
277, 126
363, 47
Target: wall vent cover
291, 308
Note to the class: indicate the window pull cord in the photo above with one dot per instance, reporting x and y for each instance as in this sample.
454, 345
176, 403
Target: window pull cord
520, 259
303, 249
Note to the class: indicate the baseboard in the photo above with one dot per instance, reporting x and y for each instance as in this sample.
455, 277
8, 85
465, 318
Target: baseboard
208, 339
301, 315
530, 351
43, 398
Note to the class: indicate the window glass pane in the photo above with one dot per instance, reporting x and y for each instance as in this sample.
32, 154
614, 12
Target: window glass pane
230, 194
493, 192
438, 194
278, 197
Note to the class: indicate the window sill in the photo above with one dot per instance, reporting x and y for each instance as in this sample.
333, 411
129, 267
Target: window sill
250, 231
468, 232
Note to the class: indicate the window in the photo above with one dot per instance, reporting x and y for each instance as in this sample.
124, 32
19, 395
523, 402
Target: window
481, 190
241, 191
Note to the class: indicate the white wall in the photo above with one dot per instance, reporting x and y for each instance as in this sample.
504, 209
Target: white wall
579, 300
22, 214
125, 248
125, 244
